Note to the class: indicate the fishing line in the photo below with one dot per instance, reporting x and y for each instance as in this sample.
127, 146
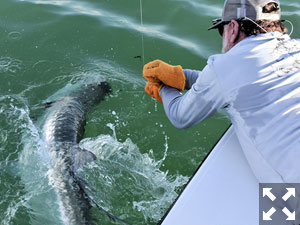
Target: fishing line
256, 24
292, 26
142, 25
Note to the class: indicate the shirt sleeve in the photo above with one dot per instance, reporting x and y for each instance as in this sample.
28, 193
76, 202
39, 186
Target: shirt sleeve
203, 100
190, 77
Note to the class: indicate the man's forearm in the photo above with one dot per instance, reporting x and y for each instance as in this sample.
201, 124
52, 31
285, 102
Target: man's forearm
202, 100
191, 76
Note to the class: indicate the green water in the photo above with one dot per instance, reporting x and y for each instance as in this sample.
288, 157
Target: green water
47, 46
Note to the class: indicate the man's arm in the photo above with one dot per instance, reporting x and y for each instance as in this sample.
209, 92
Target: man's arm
203, 99
190, 77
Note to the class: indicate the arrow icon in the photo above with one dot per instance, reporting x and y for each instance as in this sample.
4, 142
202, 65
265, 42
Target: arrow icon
267, 216
267, 192
291, 216
290, 192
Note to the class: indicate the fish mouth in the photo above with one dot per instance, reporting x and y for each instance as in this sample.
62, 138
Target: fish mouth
105, 86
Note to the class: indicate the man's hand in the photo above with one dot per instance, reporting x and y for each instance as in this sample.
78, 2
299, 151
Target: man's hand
159, 71
153, 89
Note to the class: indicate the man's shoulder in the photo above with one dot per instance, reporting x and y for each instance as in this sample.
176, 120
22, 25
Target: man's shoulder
252, 46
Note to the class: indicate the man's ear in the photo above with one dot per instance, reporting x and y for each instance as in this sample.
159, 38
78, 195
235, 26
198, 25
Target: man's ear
235, 31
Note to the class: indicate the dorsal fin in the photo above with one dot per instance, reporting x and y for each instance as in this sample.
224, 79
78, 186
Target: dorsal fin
81, 157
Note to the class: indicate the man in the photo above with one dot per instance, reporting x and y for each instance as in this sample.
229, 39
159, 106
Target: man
256, 80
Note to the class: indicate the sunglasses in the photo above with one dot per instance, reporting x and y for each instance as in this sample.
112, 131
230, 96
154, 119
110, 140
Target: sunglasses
221, 27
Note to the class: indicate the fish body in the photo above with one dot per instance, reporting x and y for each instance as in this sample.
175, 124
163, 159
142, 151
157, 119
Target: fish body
63, 128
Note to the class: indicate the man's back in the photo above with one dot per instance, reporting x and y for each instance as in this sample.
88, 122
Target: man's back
260, 78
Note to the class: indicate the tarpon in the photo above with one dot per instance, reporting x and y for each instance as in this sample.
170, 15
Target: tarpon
63, 129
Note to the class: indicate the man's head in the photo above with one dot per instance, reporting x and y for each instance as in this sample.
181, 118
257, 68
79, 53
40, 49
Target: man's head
242, 18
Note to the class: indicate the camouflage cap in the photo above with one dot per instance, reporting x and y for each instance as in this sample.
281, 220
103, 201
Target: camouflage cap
243, 9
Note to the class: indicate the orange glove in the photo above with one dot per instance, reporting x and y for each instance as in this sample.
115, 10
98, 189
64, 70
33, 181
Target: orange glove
153, 89
158, 70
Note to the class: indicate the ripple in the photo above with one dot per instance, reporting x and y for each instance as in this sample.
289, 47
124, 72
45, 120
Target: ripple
71, 6
205, 8
43, 66
86, 10
10, 65
48, 2
111, 19
294, 5
291, 13
15, 35
3, 138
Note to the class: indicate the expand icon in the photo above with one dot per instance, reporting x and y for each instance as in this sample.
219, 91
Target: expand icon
279, 204
290, 192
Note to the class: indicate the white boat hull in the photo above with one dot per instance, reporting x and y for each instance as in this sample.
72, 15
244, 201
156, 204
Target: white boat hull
224, 190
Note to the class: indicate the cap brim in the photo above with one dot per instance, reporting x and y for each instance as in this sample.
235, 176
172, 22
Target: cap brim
216, 24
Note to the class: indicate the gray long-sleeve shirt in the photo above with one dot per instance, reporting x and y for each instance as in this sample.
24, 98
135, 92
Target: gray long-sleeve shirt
258, 84
202, 99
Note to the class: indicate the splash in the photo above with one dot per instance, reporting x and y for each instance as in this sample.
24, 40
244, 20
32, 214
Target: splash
126, 182
123, 181
27, 165
16, 127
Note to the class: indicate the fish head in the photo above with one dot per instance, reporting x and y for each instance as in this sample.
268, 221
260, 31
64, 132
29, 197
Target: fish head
92, 94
